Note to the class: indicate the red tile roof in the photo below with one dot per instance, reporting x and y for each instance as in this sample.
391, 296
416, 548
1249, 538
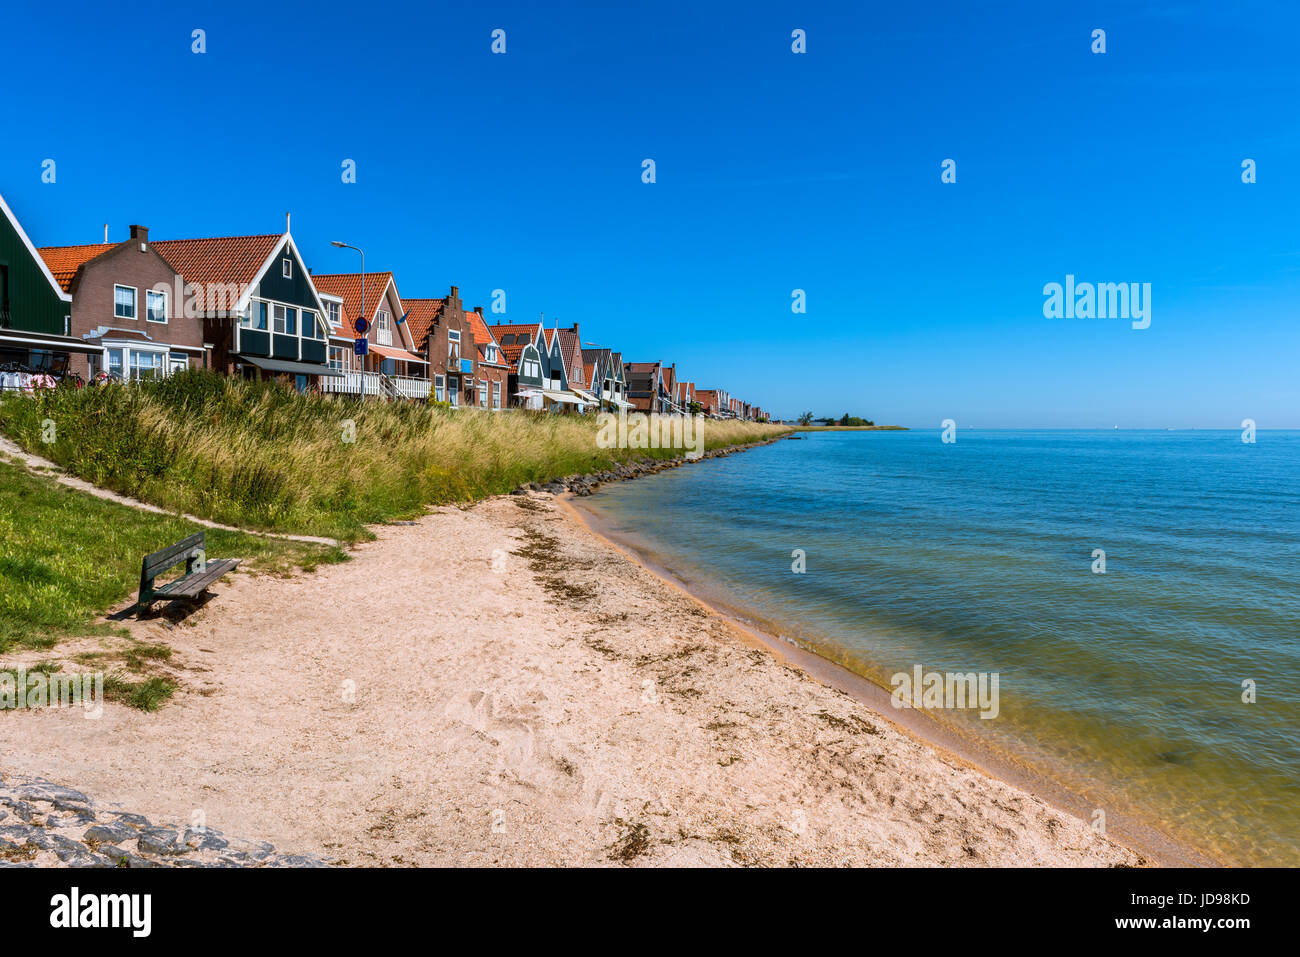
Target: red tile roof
424, 312
64, 261
221, 259
512, 351
482, 335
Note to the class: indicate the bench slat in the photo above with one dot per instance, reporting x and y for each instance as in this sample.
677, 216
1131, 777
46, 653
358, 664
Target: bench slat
165, 558
194, 584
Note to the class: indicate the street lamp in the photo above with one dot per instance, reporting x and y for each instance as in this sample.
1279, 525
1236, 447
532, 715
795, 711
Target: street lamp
363, 273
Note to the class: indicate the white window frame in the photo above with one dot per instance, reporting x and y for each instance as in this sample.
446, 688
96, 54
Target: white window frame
496, 393
135, 302
333, 314
453, 391
482, 393
286, 267
439, 389
155, 292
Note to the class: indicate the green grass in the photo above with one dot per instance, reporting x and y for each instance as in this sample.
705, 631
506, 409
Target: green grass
257, 455
67, 557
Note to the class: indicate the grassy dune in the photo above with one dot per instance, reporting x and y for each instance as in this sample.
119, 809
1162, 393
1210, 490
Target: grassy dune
260, 456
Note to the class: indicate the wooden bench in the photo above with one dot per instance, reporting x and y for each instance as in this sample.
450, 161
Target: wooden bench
199, 572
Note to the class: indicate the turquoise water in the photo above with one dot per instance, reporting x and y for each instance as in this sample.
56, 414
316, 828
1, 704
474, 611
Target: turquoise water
978, 556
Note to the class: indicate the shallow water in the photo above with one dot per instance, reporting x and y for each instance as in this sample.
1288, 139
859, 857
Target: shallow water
978, 556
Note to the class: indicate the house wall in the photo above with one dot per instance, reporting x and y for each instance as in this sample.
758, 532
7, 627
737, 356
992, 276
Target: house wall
29, 303
126, 265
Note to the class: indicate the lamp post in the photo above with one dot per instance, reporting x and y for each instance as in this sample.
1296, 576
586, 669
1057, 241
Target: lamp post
363, 274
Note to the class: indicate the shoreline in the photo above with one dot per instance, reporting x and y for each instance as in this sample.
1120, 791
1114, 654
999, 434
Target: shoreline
548, 703
1137, 834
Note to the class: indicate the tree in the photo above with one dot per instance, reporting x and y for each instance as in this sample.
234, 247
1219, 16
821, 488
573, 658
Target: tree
805, 419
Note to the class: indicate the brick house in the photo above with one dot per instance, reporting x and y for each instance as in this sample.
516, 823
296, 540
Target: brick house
444, 334
128, 303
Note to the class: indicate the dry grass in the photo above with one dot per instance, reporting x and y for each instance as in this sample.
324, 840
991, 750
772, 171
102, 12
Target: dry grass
260, 456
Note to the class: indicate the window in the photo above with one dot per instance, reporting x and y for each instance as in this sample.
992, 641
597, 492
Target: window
482, 392
453, 343
383, 335
453, 391
332, 313
278, 315
336, 359
254, 316
438, 389
115, 362
508, 339
146, 365
286, 268
177, 362
490, 353
496, 395
124, 302
291, 321
155, 305
309, 330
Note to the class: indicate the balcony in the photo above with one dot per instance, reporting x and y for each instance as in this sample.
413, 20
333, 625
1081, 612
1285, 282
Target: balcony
458, 366
371, 383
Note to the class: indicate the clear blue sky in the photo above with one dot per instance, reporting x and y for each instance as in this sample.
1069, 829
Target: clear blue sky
776, 171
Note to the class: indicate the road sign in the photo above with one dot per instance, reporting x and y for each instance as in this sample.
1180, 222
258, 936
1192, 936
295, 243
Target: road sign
361, 325
361, 346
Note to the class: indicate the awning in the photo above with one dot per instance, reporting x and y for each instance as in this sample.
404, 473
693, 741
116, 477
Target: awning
586, 396
296, 368
557, 396
38, 340
388, 352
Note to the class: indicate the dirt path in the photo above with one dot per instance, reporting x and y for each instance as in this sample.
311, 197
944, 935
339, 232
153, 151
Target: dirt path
496, 685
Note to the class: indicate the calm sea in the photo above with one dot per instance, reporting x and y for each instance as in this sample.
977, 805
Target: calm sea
978, 556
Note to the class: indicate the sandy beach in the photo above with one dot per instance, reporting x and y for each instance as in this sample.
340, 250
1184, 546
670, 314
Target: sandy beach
498, 685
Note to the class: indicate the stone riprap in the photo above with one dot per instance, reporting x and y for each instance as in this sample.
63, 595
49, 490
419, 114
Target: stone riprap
48, 825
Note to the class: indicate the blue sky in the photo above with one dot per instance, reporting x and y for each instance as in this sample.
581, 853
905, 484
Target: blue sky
775, 171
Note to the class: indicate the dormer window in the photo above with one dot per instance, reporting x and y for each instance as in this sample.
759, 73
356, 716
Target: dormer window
332, 311
286, 268
490, 352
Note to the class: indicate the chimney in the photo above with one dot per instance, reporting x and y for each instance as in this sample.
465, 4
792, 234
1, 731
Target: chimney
479, 310
140, 233
106, 233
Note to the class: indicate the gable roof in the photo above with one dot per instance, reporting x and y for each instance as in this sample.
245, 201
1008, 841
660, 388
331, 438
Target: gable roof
36, 256
64, 261
512, 351
482, 334
220, 259
348, 287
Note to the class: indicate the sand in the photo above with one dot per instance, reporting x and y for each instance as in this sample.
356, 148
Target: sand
499, 685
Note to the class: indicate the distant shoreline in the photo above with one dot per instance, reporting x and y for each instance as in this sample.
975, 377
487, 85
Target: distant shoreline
850, 428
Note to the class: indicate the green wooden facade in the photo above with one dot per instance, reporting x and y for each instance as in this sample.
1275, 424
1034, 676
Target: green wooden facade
29, 301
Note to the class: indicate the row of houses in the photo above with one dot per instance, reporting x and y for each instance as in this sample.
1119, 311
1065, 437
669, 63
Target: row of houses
248, 306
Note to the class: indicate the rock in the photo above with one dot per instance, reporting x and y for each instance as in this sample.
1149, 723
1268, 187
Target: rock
111, 833
117, 857
80, 819
135, 820
159, 840
24, 810
518, 491
207, 840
